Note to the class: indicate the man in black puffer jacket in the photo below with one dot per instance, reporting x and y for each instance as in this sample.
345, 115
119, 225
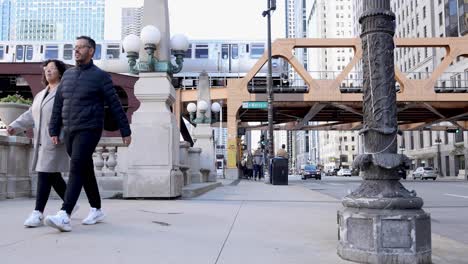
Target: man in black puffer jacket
79, 113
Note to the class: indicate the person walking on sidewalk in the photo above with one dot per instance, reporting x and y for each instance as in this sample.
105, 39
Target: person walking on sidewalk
258, 164
282, 152
49, 160
79, 108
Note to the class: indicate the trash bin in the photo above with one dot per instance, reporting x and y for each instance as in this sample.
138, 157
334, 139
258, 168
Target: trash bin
279, 171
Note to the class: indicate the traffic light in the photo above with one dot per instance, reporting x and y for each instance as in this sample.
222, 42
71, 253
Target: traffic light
262, 141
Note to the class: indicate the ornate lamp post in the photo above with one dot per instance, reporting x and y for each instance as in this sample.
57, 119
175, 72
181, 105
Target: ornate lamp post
203, 107
382, 222
153, 165
150, 37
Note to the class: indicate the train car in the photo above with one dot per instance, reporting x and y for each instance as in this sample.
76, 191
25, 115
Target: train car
219, 58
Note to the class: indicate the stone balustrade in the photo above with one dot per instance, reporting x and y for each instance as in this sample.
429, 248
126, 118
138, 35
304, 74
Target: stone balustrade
15, 157
110, 164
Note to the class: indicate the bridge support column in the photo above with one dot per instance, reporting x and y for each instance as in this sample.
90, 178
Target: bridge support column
232, 171
382, 222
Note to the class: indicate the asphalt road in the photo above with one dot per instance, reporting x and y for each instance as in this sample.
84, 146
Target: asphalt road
447, 202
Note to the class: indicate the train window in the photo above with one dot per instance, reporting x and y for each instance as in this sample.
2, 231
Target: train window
113, 51
19, 52
51, 52
188, 53
1, 52
257, 50
235, 51
224, 51
201, 51
29, 52
97, 53
68, 52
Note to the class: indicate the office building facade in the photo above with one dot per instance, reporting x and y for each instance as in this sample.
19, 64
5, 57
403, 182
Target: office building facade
42, 20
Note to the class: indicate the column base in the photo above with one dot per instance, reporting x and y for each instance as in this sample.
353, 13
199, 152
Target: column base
384, 236
232, 174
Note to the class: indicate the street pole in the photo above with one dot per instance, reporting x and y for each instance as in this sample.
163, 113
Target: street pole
438, 141
381, 222
271, 4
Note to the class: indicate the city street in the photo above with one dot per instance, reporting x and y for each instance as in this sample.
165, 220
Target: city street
446, 201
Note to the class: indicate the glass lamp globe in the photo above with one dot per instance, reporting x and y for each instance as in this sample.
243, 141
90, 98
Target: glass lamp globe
131, 43
150, 35
192, 108
179, 42
202, 105
215, 107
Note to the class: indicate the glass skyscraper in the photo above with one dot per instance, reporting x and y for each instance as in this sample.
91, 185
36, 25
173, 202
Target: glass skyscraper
39, 20
5, 7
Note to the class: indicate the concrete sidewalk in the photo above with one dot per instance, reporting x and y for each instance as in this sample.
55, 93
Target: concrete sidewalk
250, 222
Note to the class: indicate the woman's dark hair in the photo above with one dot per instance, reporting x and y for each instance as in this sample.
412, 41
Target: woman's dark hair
61, 67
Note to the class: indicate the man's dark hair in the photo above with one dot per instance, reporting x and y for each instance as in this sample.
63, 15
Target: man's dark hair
283, 146
91, 42
61, 67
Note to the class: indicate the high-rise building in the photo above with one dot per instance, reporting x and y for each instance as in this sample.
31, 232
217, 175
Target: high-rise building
132, 21
5, 8
332, 19
39, 20
432, 18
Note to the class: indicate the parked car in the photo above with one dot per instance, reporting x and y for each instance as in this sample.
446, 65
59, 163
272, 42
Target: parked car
344, 172
311, 171
332, 172
424, 173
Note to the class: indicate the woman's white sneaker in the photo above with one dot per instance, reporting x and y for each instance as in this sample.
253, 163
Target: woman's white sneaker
94, 216
35, 219
60, 221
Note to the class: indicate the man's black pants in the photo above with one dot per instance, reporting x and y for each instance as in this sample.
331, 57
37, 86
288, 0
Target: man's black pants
80, 148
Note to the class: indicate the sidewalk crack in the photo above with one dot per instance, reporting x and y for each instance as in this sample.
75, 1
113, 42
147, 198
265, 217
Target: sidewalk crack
229, 233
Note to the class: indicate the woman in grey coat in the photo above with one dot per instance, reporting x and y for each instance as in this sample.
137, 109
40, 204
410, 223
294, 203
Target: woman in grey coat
49, 159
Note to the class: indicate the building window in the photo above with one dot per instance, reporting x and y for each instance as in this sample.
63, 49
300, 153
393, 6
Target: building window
440, 19
1, 52
411, 139
446, 141
424, 12
421, 139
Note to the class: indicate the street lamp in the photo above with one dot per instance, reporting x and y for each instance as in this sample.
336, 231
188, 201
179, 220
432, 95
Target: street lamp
437, 142
203, 107
150, 37
271, 4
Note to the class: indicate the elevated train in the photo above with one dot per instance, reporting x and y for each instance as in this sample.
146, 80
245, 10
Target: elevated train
219, 58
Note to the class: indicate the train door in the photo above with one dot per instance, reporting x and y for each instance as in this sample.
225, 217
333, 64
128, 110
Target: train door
24, 53
230, 57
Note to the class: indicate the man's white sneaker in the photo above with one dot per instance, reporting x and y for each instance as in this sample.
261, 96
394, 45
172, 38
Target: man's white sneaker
94, 216
60, 221
34, 219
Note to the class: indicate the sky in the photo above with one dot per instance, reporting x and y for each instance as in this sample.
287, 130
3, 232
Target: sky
208, 19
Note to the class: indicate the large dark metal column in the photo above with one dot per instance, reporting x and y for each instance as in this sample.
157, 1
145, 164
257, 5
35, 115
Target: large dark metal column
382, 222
